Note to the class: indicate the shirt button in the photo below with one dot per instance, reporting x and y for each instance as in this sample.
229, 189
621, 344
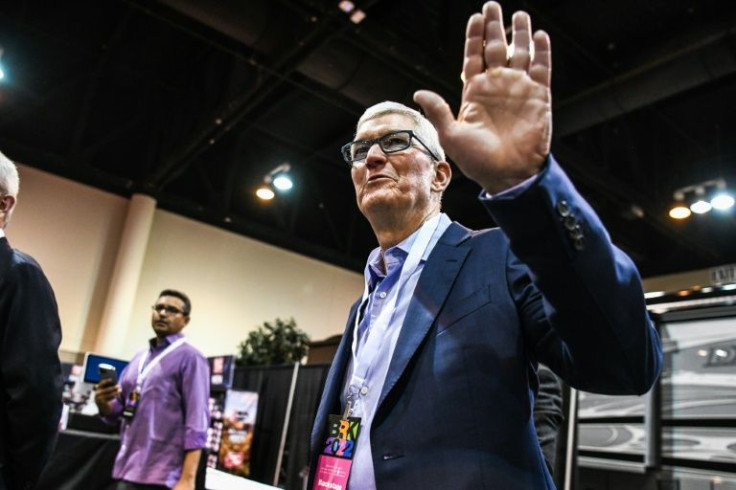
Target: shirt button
364, 390
382, 294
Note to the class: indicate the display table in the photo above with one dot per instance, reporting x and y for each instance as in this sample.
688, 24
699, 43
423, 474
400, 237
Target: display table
81, 460
219, 480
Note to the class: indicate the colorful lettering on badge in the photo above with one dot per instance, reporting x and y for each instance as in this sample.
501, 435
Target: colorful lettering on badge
333, 465
341, 436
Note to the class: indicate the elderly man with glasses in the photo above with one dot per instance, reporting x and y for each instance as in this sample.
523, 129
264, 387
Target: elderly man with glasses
434, 381
162, 400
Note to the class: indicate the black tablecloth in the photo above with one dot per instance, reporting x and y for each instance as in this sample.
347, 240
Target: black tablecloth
81, 461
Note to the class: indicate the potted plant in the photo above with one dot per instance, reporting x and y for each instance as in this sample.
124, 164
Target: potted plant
280, 342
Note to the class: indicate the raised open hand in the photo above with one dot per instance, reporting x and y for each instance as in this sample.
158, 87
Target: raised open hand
503, 131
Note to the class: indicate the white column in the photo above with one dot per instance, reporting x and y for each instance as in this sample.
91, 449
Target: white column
126, 275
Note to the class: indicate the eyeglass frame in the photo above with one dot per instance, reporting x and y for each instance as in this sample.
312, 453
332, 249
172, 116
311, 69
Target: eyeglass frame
171, 310
345, 149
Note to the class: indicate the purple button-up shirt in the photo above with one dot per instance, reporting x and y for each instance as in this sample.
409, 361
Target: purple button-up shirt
172, 414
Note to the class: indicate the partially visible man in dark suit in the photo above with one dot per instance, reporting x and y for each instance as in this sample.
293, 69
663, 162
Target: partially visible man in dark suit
30, 372
439, 358
548, 415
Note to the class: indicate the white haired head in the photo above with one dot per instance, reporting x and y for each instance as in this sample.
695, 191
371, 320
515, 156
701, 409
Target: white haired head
9, 184
9, 181
423, 128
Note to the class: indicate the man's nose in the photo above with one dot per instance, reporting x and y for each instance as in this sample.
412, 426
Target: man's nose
375, 155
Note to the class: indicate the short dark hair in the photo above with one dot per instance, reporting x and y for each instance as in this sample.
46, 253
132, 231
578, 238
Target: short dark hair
181, 296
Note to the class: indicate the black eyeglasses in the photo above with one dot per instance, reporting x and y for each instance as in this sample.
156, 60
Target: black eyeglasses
355, 151
171, 310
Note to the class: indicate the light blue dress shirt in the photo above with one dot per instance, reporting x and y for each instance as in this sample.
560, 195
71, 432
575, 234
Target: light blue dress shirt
366, 384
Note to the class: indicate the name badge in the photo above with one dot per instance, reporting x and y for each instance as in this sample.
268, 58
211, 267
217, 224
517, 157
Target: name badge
336, 458
131, 404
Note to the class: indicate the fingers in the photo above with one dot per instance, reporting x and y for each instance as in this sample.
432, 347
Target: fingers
541, 66
496, 52
473, 63
521, 40
436, 110
486, 34
106, 391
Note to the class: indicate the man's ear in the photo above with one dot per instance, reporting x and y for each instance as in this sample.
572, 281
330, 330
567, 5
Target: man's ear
6, 204
442, 176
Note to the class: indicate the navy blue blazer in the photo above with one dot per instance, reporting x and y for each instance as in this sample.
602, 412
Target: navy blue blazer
548, 286
30, 372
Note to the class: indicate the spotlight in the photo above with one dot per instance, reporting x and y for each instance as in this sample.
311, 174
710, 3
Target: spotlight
282, 182
680, 211
2, 73
356, 15
722, 201
277, 179
700, 207
346, 6
265, 193
701, 198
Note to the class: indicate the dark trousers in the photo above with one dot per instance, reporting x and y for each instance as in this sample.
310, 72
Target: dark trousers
126, 485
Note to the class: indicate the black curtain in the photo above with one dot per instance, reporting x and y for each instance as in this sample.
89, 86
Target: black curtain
272, 385
309, 388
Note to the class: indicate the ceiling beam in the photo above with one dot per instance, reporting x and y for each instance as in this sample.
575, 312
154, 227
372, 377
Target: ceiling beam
697, 63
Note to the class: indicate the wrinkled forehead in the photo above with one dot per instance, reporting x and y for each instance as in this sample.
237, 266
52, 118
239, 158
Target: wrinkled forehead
385, 123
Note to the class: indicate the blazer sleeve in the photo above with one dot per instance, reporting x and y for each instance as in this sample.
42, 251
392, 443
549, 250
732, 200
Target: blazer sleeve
31, 371
580, 298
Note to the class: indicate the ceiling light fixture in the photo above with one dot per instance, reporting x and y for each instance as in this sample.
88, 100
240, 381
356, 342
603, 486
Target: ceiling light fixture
722, 201
2, 73
356, 15
700, 199
277, 179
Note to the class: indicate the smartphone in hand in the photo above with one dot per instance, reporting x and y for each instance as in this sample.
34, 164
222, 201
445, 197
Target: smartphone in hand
108, 371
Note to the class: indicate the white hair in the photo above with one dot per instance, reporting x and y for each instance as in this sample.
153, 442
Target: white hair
9, 181
424, 129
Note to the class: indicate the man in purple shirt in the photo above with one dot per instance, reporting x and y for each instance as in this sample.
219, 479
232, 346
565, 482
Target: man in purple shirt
162, 399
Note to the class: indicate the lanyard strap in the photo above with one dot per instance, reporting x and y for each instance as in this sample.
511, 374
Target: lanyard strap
383, 320
143, 373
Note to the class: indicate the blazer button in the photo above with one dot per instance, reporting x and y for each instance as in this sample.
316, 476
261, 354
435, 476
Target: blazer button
578, 244
576, 233
563, 209
570, 222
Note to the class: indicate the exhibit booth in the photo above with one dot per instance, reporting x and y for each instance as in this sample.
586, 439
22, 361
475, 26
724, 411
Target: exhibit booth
277, 449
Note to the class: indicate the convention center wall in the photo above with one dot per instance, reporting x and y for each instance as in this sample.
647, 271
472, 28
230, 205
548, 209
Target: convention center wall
235, 283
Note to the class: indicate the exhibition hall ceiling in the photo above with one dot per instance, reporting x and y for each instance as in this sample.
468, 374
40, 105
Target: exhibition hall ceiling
193, 102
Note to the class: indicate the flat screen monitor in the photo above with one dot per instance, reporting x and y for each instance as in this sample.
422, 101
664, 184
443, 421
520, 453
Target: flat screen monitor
92, 362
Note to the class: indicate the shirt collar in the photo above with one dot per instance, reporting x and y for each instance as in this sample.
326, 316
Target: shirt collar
168, 340
395, 255
2, 233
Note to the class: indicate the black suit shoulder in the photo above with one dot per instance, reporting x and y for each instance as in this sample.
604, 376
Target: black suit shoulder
30, 371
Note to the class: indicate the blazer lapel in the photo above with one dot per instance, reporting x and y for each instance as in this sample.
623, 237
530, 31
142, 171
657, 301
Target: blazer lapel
438, 275
335, 378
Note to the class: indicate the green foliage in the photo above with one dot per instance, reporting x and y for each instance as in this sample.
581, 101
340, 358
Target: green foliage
280, 342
